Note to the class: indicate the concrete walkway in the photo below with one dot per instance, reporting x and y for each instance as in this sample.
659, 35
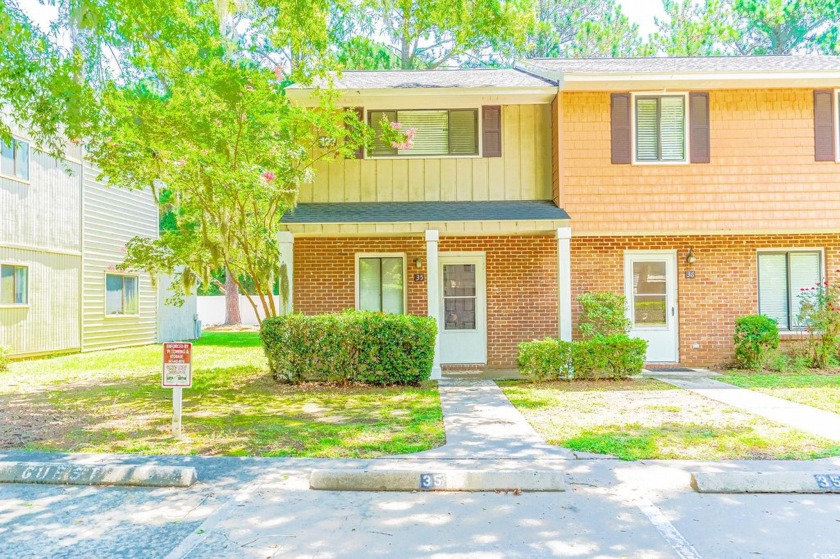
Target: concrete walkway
482, 424
805, 418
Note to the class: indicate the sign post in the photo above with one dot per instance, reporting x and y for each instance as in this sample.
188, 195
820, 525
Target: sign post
177, 375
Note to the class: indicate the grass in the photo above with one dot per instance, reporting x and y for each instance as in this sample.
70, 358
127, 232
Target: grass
111, 401
820, 390
647, 419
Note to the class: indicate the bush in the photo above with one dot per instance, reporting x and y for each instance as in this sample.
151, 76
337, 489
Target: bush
785, 363
5, 354
756, 338
819, 312
613, 357
603, 314
353, 346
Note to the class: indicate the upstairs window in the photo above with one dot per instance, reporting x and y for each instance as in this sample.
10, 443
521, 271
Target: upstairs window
14, 285
14, 159
121, 295
781, 278
660, 123
437, 132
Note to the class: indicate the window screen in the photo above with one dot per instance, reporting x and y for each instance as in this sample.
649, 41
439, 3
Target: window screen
14, 285
660, 128
781, 278
381, 284
121, 294
437, 132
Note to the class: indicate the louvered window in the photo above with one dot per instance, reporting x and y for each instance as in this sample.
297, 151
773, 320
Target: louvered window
660, 128
782, 277
437, 132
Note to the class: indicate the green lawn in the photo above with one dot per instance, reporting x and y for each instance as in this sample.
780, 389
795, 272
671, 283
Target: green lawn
647, 419
111, 401
817, 390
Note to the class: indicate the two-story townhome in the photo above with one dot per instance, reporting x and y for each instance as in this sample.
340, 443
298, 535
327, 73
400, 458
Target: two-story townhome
62, 235
703, 189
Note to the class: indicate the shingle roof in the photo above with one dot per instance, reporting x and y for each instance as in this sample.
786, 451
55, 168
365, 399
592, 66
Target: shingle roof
412, 79
790, 63
387, 212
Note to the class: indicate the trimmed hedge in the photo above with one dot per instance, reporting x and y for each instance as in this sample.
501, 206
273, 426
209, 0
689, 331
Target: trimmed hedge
756, 339
612, 357
353, 346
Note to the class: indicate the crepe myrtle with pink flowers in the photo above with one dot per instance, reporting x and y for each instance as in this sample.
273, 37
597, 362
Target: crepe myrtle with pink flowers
819, 314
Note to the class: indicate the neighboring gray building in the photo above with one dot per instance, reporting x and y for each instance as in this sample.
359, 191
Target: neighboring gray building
62, 234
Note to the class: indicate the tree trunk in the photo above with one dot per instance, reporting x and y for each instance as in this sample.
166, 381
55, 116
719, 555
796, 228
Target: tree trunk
232, 314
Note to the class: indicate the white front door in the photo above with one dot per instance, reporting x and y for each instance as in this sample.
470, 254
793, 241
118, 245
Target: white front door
650, 284
463, 309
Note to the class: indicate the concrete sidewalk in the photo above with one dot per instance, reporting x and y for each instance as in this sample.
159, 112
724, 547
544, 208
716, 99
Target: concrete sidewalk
482, 424
805, 418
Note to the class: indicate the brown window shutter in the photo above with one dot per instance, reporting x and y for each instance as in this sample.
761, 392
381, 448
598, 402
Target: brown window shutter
491, 131
360, 112
825, 133
620, 128
698, 124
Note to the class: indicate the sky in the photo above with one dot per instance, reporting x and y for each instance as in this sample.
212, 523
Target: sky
642, 12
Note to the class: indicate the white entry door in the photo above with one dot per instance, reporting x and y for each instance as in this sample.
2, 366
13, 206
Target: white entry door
463, 309
650, 284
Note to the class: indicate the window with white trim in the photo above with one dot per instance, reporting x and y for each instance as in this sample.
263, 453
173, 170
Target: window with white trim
782, 277
660, 123
437, 132
121, 295
381, 284
14, 285
14, 159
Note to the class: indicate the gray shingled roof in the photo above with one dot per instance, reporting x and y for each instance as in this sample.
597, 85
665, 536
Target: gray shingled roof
791, 63
388, 212
412, 79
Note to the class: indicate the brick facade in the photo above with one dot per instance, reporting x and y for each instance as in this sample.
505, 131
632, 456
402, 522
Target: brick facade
521, 282
725, 285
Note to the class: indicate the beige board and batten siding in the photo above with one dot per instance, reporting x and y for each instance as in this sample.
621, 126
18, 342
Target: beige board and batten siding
112, 217
40, 228
522, 173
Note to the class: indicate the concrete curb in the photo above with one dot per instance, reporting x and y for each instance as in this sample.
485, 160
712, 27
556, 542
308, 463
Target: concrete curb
59, 473
440, 480
766, 482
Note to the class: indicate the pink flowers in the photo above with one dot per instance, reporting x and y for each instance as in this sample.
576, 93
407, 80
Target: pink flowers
396, 125
268, 176
180, 163
408, 138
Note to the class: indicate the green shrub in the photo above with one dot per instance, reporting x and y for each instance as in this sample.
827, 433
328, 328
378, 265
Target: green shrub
603, 314
756, 338
353, 346
612, 357
785, 363
5, 357
548, 359
819, 312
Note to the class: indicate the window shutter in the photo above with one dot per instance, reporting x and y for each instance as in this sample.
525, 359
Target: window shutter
824, 130
491, 119
360, 113
773, 287
463, 132
701, 151
620, 128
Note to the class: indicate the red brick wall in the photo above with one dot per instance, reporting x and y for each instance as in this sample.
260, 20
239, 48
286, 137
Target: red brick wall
521, 282
725, 285
325, 271
521, 290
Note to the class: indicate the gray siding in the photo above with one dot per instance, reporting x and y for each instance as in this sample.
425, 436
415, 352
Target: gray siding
113, 216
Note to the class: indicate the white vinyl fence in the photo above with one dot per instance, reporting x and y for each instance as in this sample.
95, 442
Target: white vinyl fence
211, 310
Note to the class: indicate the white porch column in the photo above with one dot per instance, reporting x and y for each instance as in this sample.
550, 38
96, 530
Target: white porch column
287, 257
564, 281
433, 297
